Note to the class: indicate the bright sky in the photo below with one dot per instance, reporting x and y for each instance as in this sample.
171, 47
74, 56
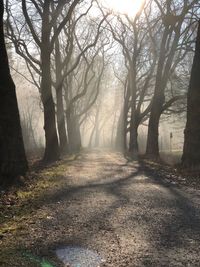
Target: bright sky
129, 7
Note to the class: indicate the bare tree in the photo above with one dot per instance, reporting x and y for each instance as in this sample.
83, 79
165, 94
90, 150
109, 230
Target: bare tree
140, 62
59, 56
43, 34
174, 35
85, 94
77, 56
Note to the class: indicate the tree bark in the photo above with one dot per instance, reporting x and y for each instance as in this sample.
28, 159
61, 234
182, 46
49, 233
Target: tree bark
12, 157
73, 129
191, 150
152, 150
166, 57
60, 106
121, 142
112, 141
52, 152
61, 122
96, 126
133, 144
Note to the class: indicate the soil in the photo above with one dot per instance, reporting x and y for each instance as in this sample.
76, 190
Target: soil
131, 213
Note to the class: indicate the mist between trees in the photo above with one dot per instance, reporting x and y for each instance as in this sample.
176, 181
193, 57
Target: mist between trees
89, 76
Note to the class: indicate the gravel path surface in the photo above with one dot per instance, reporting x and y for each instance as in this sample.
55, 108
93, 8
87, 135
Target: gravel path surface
127, 214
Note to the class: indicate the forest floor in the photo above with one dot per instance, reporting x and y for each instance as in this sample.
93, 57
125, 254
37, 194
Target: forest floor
132, 213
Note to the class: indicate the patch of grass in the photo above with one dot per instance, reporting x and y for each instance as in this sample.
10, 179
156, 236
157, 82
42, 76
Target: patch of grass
17, 258
20, 208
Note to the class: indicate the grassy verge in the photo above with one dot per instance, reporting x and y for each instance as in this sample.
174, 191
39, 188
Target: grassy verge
174, 173
20, 209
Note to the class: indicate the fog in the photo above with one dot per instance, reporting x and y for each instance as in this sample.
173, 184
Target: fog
114, 81
99, 128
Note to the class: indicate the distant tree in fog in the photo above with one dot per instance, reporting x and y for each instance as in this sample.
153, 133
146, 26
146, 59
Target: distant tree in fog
139, 61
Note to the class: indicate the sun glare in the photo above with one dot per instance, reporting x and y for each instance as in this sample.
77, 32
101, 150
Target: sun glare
128, 7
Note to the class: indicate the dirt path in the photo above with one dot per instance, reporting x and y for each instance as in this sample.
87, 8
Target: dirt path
130, 216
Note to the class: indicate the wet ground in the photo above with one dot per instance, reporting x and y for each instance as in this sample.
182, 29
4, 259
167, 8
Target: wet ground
128, 215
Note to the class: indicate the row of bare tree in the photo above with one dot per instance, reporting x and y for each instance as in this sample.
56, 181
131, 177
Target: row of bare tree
60, 57
156, 46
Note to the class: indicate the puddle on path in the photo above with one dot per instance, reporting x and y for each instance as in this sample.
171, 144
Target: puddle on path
79, 257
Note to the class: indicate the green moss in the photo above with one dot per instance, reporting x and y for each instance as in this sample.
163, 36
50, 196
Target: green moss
40, 262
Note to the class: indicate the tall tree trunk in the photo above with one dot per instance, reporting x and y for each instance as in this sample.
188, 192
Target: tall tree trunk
60, 114
121, 138
191, 150
97, 133
52, 152
119, 142
112, 143
12, 157
96, 140
166, 57
60, 106
133, 144
61, 122
91, 138
73, 129
152, 150
52, 146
